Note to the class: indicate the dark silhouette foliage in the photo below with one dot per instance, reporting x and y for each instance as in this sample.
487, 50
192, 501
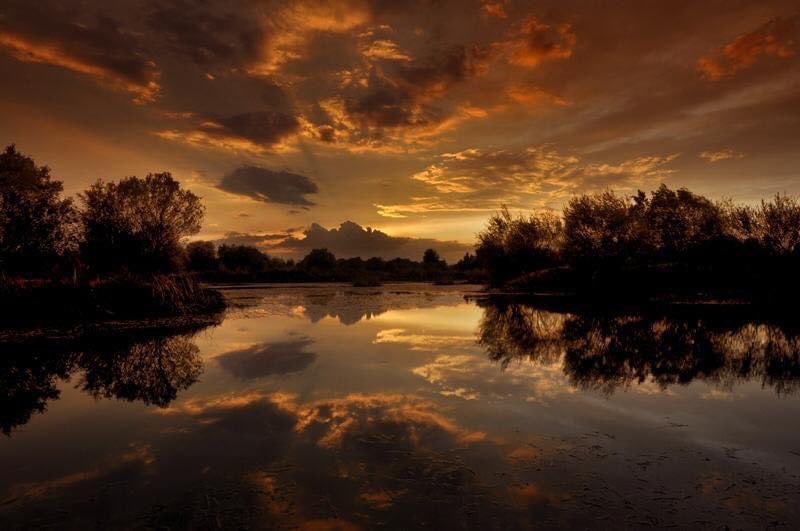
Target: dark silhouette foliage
431, 258
138, 224
509, 246
242, 259
668, 242
37, 226
120, 255
318, 260
201, 256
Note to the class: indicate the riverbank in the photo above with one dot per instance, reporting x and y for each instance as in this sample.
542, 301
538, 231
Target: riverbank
665, 283
113, 298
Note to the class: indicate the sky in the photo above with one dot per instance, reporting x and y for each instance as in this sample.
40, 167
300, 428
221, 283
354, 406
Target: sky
384, 127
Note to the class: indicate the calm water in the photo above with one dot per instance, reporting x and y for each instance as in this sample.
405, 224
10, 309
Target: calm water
330, 407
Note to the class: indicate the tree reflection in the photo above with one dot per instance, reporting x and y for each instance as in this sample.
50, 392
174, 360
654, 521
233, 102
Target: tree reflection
149, 366
605, 351
28, 380
150, 371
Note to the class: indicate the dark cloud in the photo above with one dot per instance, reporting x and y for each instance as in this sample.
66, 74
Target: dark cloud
208, 32
401, 98
266, 359
263, 127
96, 45
351, 239
269, 186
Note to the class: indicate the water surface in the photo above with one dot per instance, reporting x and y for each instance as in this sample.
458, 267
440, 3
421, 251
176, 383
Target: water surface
331, 407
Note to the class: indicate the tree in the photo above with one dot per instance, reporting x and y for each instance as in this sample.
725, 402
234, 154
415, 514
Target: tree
778, 223
318, 260
468, 262
431, 258
676, 221
242, 259
599, 229
510, 246
37, 226
138, 224
201, 255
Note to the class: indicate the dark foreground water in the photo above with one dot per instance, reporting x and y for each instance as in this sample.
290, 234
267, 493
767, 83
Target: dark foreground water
330, 407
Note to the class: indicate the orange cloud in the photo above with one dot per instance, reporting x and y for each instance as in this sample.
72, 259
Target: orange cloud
144, 86
535, 42
722, 154
494, 9
384, 49
474, 180
292, 27
772, 39
534, 96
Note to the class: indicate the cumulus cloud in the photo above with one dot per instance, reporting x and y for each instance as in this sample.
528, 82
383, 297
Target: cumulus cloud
775, 38
351, 239
262, 184
98, 47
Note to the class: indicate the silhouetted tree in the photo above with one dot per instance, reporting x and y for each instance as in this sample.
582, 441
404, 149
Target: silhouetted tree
36, 225
138, 224
468, 262
430, 258
675, 221
202, 256
242, 259
319, 260
510, 246
376, 263
600, 230
776, 224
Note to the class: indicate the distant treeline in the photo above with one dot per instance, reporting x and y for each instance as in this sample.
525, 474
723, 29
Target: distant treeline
670, 242
119, 252
242, 263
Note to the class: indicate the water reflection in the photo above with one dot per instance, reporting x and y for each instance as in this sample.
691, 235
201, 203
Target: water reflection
345, 304
403, 420
282, 357
146, 365
607, 351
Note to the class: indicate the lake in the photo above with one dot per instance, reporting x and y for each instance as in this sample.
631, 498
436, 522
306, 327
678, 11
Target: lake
404, 406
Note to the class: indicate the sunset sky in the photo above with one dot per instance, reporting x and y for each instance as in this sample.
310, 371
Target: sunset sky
416, 118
